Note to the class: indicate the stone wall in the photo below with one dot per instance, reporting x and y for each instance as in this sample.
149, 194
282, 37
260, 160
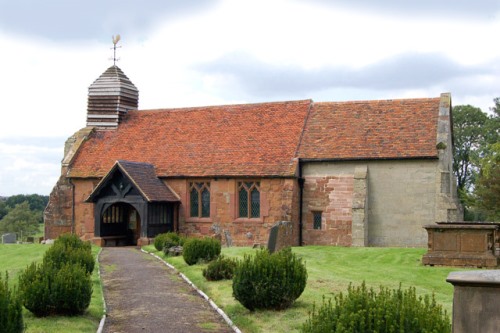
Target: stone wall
401, 199
58, 215
332, 196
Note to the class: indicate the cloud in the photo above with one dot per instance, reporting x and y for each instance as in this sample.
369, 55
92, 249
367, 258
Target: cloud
445, 9
33, 164
399, 72
91, 19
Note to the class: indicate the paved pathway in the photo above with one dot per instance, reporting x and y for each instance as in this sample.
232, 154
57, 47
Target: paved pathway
143, 295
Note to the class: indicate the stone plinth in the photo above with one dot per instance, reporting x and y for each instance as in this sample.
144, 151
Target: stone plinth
461, 244
476, 301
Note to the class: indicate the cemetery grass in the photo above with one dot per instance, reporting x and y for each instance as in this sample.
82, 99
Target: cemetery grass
330, 271
16, 257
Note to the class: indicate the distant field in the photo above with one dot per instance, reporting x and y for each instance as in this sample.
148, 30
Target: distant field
330, 270
16, 257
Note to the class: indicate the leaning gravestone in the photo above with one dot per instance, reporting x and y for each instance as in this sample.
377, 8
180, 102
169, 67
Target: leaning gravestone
9, 238
229, 240
280, 236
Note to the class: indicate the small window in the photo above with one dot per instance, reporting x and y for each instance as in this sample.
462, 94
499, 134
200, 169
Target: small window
317, 220
199, 199
249, 199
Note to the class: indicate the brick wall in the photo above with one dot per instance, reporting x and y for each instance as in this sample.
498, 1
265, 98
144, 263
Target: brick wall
332, 196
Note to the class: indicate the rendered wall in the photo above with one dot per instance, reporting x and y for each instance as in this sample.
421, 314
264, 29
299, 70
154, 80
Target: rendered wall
401, 200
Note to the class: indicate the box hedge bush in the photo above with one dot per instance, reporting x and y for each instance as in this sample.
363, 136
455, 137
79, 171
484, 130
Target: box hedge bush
269, 281
61, 284
70, 248
364, 310
221, 268
11, 310
196, 250
167, 240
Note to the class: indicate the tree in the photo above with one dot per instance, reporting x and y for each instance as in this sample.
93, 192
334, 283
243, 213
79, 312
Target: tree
36, 201
468, 136
3, 209
476, 136
21, 220
487, 190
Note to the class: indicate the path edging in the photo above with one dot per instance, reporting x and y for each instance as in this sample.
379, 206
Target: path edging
202, 294
103, 319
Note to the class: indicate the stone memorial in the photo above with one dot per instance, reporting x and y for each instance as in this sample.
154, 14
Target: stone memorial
476, 301
280, 236
9, 238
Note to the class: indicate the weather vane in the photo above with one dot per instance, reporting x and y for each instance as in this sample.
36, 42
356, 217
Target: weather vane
115, 41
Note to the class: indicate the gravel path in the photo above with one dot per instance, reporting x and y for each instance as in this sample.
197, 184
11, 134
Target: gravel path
144, 295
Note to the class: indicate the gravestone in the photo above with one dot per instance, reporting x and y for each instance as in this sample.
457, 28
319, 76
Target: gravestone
476, 301
227, 235
280, 236
9, 238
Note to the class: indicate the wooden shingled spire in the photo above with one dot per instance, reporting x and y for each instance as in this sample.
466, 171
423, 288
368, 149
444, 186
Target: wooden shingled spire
110, 97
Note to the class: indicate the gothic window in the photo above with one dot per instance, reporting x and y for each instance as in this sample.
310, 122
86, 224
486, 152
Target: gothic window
249, 199
199, 199
317, 220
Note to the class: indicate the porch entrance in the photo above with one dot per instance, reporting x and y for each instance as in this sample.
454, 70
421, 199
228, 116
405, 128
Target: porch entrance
120, 224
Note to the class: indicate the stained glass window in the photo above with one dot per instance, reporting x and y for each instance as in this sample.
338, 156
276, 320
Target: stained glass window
199, 199
249, 199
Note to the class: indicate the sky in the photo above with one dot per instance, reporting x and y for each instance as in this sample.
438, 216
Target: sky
195, 53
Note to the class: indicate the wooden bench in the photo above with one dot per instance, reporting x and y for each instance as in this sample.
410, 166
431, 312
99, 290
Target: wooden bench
113, 239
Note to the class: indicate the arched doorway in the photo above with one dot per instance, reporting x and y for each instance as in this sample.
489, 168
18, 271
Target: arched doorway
120, 224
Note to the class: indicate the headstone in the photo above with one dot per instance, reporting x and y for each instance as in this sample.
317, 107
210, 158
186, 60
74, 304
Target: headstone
30, 239
9, 238
227, 235
280, 236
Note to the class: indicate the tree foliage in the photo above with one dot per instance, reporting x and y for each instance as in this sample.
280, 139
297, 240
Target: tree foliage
476, 153
21, 220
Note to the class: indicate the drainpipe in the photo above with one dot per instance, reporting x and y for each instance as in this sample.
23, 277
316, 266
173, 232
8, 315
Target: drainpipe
72, 206
301, 202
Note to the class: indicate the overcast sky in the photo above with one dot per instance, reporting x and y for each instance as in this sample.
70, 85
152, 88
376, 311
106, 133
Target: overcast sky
192, 53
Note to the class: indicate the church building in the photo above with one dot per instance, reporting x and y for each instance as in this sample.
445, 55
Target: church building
361, 173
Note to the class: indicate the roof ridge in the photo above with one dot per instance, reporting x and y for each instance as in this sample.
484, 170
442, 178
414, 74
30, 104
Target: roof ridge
220, 106
378, 100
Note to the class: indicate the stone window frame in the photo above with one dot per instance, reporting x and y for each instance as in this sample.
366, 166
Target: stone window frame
199, 186
254, 185
317, 220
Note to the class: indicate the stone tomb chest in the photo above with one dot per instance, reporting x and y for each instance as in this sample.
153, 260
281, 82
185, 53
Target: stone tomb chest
463, 244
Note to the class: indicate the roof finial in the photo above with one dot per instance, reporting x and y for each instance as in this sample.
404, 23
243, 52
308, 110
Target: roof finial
115, 41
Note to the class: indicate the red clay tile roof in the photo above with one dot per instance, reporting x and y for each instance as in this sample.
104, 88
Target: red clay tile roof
371, 130
233, 140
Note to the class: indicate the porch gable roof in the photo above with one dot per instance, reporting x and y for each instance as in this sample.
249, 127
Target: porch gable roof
143, 177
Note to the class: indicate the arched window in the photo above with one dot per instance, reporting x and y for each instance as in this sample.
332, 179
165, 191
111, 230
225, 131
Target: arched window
199, 199
249, 199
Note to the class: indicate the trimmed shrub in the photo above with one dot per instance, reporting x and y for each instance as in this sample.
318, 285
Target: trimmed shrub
47, 290
195, 250
71, 290
167, 240
364, 310
70, 249
11, 310
269, 281
62, 283
221, 268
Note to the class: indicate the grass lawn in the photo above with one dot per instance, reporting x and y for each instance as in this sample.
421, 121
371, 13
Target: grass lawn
330, 270
15, 257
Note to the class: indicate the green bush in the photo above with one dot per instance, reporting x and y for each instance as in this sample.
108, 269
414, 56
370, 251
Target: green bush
269, 281
363, 310
220, 269
11, 310
49, 290
195, 250
167, 240
61, 284
70, 249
